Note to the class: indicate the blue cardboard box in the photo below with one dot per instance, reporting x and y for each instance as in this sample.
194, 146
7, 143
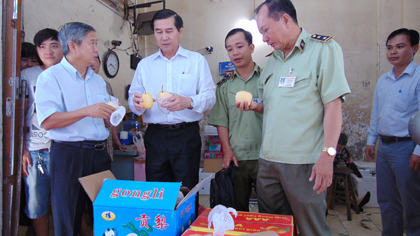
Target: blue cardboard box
139, 208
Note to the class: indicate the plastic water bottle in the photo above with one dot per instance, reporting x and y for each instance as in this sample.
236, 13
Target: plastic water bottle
131, 124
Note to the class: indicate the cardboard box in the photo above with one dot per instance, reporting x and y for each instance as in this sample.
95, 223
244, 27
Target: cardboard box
213, 155
191, 232
213, 165
137, 207
214, 143
254, 217
248, 222
205, 189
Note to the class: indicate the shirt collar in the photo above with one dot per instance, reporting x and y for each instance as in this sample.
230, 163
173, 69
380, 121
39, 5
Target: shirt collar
181, 51
257, 70
69, 68
72, 71
408, 70
300, 44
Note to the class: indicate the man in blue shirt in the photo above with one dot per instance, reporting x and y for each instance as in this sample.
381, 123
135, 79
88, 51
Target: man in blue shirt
396, 99
71, 105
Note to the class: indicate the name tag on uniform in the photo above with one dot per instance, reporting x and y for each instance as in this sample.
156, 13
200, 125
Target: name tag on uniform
287, 82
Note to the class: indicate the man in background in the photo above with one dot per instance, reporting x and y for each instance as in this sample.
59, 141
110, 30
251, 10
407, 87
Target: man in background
396, 99
239, 132
36, 155
113, 139
28, 56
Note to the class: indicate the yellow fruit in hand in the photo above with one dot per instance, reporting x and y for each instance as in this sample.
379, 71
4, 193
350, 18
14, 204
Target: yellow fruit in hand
114, 104
244, 96
147, 101
163, 94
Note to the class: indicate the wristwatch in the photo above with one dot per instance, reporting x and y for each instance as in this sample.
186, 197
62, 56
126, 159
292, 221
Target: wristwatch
192, 104
330, 151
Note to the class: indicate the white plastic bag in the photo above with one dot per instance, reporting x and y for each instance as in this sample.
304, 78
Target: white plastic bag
139, 145
222, 220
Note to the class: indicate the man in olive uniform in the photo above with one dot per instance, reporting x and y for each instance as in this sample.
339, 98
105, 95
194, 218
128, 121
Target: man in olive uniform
301, 87
239, 133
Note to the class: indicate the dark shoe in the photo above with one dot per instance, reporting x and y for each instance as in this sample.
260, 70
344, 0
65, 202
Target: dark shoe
365, 200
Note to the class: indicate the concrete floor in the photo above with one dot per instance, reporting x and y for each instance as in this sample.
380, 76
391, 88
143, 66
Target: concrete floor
367, 223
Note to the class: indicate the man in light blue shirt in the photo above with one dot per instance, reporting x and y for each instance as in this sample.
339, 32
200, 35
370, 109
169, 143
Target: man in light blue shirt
396, 99
71, 105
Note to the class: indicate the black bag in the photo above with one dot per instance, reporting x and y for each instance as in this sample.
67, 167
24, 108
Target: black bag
221, 188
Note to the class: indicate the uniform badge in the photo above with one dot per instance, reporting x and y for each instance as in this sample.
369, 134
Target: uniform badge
321, 38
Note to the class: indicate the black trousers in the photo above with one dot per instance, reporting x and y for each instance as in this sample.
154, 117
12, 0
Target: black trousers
173, 155
68, 198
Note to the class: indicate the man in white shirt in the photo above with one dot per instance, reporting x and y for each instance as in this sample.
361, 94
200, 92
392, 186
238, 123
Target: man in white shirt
36, 155
172, 139
71, 105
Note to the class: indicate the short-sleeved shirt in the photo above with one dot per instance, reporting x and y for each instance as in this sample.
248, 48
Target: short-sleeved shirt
293, 129
394, 102
61, 88
244, 127
35, 138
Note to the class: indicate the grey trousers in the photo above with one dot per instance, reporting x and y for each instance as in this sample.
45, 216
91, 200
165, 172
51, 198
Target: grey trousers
285, 189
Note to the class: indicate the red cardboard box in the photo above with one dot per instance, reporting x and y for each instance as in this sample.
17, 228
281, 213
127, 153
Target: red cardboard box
249, 222
191, 232
214, 155
254, 217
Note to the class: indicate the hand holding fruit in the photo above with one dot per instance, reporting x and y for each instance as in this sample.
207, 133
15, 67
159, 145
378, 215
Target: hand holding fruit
113, 104
176, 102
244, 101
143, 101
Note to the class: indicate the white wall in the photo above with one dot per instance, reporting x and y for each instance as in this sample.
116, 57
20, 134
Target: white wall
41, 14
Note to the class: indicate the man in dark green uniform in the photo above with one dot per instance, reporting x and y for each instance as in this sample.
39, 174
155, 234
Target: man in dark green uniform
239, 133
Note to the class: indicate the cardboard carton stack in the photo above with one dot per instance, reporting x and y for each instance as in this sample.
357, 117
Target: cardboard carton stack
215, 148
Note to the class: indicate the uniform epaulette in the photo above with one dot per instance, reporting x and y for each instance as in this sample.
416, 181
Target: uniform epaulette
321, 38
271, 53
225, 78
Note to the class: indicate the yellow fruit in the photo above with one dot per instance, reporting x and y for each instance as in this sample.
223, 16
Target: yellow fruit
114, 104
163, 94
244, 96
147, 101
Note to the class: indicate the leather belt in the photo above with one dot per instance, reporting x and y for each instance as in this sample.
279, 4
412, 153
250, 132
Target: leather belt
393, 139
45, 149
91, 145
182, 125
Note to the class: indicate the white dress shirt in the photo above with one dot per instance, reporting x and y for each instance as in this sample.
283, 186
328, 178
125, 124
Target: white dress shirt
61, 88
186, 74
